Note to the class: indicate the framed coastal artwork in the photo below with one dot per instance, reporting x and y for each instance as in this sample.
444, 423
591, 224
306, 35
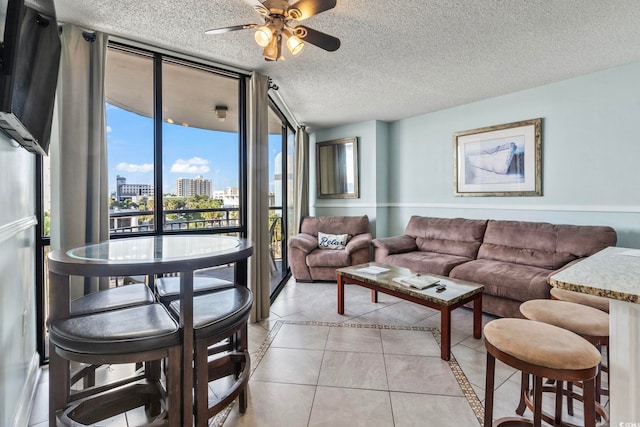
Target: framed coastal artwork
502, 160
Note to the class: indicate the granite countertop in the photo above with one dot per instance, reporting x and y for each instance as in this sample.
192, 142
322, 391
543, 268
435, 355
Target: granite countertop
613, 273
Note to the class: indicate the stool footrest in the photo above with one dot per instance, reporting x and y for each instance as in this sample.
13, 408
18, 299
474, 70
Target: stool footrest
232, 392
550, 419
92, 410
227, 365
512, 422
94, 390
86, 372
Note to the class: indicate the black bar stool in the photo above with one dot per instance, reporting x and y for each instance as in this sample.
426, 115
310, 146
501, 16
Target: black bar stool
127, 335
544, 351
109, 299
220, 330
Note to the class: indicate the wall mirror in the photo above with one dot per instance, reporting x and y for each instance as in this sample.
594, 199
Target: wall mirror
337, 168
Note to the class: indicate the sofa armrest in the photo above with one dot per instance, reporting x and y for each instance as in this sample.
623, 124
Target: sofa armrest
305, 242
396, 244
358, 242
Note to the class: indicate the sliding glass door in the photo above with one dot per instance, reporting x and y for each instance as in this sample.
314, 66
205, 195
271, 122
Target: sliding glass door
281, 139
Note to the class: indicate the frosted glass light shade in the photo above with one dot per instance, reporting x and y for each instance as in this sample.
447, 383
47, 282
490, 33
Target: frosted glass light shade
263, 36
295, 45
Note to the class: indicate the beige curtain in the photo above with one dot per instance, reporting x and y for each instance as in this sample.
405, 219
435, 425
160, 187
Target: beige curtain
301, 174
79, 203
258, 196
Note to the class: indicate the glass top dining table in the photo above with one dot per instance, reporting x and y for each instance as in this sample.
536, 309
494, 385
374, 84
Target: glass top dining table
147, 255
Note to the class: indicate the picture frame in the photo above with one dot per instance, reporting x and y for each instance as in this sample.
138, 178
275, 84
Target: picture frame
499, 161
337, 169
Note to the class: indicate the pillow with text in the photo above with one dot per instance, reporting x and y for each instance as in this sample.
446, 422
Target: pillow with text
332, 241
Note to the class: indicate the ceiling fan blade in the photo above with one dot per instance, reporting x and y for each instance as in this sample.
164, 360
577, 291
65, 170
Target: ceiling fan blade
308, 8
229, 29
318, 38
258, 6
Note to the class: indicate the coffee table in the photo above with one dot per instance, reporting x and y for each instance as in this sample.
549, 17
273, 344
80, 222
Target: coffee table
456, 294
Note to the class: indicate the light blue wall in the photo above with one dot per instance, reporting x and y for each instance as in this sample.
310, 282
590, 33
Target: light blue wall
18, 357
366, 203
590, 152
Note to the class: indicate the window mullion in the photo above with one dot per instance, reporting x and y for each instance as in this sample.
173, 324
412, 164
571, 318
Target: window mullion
158, 210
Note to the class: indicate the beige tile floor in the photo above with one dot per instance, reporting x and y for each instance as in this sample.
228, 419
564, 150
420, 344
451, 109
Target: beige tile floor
332, 376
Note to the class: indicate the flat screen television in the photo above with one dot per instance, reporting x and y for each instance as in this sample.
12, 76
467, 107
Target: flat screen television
30, 58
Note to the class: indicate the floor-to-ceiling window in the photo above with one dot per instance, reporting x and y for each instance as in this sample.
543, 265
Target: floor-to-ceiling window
174, 145
175, 135
200, 149
129, 89
280, 203
43, 244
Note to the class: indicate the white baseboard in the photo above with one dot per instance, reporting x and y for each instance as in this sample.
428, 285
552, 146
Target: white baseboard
28, 393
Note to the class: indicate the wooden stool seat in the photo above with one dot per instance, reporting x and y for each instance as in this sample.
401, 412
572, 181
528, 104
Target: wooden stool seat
168, 288
545, 351
128, 335
220, 329
601, 303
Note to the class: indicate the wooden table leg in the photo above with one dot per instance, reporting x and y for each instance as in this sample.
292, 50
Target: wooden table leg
374, 296
445, 333
340, 295
477, 317
59, 295
489, 386
186, 323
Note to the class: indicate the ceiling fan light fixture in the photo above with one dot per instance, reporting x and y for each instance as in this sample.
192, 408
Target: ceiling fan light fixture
295, 45
271, 52
263, 36
294, 13
278, 17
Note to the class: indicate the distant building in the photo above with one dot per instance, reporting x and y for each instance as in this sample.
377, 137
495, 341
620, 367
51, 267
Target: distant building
230, 197
131, 191
187, 187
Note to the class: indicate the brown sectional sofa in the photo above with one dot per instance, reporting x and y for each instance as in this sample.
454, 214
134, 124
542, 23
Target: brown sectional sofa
512, 259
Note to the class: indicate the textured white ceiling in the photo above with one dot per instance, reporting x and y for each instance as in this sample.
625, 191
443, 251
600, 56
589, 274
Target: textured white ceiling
398, 58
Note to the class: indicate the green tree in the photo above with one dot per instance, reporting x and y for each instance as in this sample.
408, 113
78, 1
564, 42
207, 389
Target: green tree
46, 224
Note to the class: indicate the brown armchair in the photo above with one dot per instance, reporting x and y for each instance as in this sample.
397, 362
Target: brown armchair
310, 263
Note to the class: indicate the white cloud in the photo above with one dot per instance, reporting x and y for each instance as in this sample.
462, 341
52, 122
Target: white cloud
108, 129
195, 165
129, 167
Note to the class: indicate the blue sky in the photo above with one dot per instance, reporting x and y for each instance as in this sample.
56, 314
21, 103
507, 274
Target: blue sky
187, 152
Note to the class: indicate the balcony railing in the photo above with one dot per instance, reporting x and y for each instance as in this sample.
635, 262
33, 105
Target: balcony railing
132, 221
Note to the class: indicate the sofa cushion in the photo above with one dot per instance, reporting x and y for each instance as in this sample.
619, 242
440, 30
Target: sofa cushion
525, 243
506, 280
543, 245
335, 258
452, 236
584, 241
351, 225
425, 262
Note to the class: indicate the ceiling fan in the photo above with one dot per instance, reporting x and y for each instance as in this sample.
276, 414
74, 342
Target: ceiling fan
279, 19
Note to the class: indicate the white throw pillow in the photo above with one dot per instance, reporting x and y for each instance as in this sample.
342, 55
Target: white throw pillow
332, 241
